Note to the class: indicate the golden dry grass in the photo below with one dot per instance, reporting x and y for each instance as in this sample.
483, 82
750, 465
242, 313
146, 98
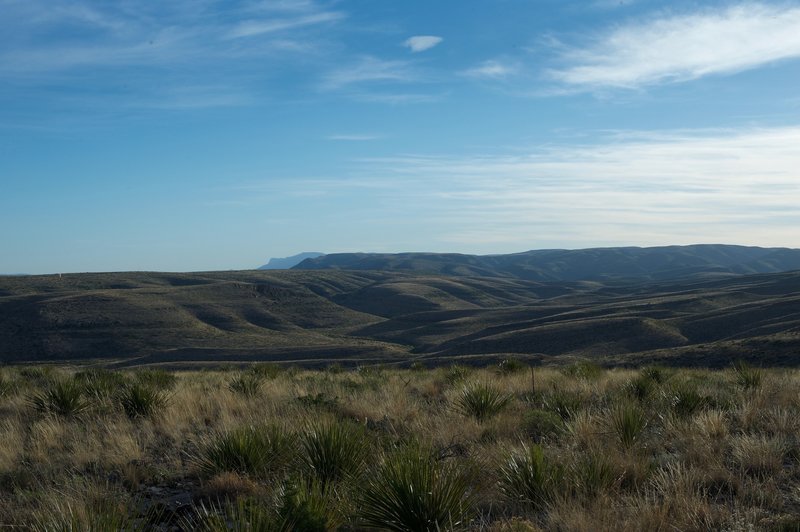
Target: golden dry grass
730, 461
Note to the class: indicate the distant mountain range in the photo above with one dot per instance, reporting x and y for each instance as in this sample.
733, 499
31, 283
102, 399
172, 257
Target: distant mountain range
287, 262
596, 264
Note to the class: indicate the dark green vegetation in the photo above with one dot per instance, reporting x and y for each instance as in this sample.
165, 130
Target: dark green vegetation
359, 317
572, 448
598, 264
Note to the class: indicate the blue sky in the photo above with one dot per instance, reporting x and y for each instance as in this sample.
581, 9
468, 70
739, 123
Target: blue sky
202, 134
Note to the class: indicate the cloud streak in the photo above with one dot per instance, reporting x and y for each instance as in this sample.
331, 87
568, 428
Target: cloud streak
647, 188
675, 48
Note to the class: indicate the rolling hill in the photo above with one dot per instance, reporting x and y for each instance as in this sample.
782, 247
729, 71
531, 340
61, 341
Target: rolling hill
600, 264
358, 317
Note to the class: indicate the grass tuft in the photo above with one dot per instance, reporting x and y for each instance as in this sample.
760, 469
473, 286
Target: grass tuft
527, 476
334, 451
413, 491
140, 400
748, 377
252, 450
627, 421
482, 401
63, 398
246, 384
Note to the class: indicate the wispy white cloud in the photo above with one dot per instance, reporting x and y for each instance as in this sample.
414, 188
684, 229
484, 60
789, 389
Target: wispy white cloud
420, 43
740, 186
673, 48
368, 70
251, 28
492, 69
353, 137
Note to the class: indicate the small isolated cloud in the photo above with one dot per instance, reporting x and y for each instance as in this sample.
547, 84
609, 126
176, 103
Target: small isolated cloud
353, 137
491, 70
685, 47
420, 43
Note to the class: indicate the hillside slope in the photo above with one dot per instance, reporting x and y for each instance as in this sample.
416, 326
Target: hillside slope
317, 317
627, 263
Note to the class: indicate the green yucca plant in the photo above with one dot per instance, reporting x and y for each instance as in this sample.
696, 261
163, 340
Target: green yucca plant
100, 383
309, 506
251, 450
62, 397
747, 376
412, 491
685, 401
140, 400
242, 515
639, 388
592, 474
246, 384
627, 421
482, 401
656, 374
334, 451
565, 403
527, 476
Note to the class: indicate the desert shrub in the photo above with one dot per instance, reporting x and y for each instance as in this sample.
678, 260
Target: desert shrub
100, 383
482, 401
310, 507
413, 491
583, 370
319, 400
246, 384
38, 376
528, 476
747, 376
456, 373
7, 386
538, 424
334, 451
565, 403
592, 473
684, 400
656, 374
140, 400
62, 397
640, 388
511, 365
156, 378
250, 450
627, 421
97, 516
266, 370
334, 369
759, 454
242, 515
417, 366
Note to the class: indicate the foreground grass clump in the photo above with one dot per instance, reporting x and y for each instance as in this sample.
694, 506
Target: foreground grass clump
457, 447
414, 491
252, 450
482, 401
62, 397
